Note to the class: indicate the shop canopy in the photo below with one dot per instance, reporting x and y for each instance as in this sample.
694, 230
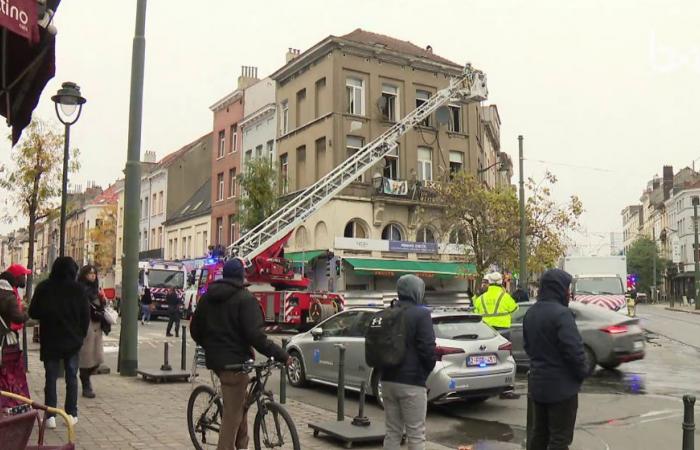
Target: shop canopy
304, 257
391, 267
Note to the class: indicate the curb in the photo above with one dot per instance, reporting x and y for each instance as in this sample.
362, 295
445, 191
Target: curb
682, 310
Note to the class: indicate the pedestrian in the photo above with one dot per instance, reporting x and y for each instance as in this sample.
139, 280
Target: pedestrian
91, 353
16, 275
12, 376
173, 300
61, 307
495, 305
557, 364
521, 296
146, 303
403, 386
228, 325
631, 299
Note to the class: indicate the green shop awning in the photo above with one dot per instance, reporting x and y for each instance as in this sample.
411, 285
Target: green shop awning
391, 267
304, 257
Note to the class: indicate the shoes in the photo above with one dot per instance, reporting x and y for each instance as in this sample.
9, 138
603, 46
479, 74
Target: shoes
89, 393
168, 334
73, 420
51, 423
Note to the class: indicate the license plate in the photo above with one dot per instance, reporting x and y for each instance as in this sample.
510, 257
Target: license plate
482, 360
639, 345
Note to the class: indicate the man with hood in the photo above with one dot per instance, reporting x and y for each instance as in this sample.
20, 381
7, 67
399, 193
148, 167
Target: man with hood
557, 363
228, 325
61, 307
403, 386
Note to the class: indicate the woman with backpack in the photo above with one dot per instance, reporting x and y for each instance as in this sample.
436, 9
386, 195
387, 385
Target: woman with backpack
91, 353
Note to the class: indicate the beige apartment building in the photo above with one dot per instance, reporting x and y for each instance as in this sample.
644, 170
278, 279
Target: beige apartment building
332, 100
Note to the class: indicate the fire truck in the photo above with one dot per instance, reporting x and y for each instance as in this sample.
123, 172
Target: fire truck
281, 291
159, 276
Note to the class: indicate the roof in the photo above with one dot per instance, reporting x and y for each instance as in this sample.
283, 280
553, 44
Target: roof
109, 196
171, 158
196, 206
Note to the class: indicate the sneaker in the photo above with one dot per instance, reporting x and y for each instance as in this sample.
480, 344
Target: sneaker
73, 420
51, 423
89, 393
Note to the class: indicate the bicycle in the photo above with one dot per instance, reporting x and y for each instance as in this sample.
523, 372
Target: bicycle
204, 424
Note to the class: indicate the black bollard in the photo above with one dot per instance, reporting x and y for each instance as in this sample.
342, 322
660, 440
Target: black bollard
166, 364
341, 382
25, 352
688, 422
183, 356
360, 420
283, 377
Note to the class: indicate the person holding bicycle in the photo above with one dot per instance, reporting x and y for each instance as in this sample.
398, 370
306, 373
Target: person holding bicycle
228, 325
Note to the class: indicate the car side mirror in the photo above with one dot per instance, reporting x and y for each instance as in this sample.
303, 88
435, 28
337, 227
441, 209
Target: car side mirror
317, 333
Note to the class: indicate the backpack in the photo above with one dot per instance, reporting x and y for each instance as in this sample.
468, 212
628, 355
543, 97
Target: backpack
385, 340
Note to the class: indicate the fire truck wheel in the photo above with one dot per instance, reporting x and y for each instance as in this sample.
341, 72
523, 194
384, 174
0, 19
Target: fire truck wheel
296, 374
320, 312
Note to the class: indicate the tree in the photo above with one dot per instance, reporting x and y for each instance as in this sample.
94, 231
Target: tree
33, 181
640, 261
104, 239
259, 192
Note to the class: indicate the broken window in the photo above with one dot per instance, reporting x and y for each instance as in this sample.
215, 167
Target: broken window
389, 103
354, 89
455, 123
421, 99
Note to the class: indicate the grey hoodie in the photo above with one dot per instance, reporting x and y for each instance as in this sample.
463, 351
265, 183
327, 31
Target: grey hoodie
411, 288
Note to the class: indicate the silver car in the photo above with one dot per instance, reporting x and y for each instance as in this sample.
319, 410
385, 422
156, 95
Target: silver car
473, 361
609, 338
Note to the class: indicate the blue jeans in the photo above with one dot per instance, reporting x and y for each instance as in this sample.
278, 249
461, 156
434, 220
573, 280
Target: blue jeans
51, 366
145, 313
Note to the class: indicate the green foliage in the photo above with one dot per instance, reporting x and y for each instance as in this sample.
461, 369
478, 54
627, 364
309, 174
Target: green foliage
640, 261
259, 192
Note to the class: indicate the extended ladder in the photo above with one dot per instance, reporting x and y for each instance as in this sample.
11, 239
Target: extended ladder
467, 88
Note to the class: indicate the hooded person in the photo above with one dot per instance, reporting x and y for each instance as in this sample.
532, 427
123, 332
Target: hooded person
557, 363
60, 304
228, 324
92, 353
403, 386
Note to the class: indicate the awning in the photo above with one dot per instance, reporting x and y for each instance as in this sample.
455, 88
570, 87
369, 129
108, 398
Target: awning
304, 257
391, 267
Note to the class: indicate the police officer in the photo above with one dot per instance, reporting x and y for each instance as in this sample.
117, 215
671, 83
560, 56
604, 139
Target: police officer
631, 297
495, 305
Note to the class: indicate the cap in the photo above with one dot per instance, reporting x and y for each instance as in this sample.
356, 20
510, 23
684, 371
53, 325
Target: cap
234, 269
18, 270
495, 278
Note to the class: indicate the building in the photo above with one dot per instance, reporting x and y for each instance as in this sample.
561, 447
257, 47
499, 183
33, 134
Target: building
187, 230
681, 237
495, 168
632, 220
259, 127
226, 159
332, 100
14, 248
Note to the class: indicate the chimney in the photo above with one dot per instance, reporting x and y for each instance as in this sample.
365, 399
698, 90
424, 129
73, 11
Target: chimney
149, 156
429, 49
667, 181
291, 54
249, 75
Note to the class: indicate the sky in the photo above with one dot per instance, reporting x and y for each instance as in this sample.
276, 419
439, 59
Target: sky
605, 93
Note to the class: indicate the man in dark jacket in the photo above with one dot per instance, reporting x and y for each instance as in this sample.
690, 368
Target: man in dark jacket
61, 307
557, 364
403, 387
228, 325
173, 300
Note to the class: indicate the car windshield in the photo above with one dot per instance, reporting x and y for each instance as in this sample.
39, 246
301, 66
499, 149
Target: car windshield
598, 286
166, 278
461, 328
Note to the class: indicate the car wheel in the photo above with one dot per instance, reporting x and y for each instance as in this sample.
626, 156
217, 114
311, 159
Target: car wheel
377, 390
590, 359
611, 366
296, 374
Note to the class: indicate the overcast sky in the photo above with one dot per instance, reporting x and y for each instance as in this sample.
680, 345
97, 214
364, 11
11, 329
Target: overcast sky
604, 92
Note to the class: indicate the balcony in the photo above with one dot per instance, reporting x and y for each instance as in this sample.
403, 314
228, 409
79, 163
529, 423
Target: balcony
410, 191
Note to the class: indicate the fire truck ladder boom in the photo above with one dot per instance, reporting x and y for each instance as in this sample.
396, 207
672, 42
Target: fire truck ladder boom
467, 88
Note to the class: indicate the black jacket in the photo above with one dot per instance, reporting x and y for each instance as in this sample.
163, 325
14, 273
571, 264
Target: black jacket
553, 343
420, 347
173, 301
61, 306
228, 325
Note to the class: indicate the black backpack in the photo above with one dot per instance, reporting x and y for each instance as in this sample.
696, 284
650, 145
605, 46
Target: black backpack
385, 340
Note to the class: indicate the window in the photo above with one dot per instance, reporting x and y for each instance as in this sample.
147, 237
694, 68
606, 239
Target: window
422, 98
160, 237
160, 202
341, 324
220, 230
391, 169
145, 207
354, 229
154, 205
456, 162
145, 240
270, 149
354, 144
232, 182
222, 144
320, 165
391, 232
425, 164
234, 139
390, 102
284, 175
258, 151
425, 234
248, 155
231, 228
153, 238
354, 90
455, 123
205, 242
175, 248
184, 247
320, 92
301, 100
301, 167
285, 117
219, 187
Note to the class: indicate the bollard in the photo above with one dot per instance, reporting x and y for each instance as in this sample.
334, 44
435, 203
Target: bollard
360, 420
341, 382
183, 356
25, 350
166, 364
688, 422
283, 377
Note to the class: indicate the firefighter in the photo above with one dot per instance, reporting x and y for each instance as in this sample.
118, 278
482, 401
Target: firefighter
495, 305
631, 297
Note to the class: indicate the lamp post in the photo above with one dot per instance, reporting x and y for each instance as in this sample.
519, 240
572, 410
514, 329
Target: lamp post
696, 201
523, 226
69, 104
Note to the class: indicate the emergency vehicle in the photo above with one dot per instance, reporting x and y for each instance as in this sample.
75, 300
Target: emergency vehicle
160, 276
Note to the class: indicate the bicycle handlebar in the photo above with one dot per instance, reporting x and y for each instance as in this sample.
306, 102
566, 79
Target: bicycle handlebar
250, 365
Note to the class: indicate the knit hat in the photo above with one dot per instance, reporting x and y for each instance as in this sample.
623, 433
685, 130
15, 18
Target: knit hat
495, 278
234, 269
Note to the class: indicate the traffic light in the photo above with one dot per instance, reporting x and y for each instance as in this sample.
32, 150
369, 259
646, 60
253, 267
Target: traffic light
338, 266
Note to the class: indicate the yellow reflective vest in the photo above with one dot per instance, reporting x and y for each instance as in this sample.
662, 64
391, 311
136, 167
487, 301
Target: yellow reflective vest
496, 306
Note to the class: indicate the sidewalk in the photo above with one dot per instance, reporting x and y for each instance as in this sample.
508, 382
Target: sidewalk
129, 413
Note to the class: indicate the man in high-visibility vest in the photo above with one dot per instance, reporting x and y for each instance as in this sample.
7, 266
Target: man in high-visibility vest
495, 305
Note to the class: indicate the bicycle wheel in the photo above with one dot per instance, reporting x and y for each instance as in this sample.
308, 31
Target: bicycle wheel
274, 428
204, 413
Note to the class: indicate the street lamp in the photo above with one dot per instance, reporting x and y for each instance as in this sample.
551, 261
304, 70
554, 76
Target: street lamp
69, 104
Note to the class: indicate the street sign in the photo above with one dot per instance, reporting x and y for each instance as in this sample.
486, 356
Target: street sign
676, 255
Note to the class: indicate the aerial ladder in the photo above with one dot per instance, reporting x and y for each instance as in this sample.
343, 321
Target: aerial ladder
469, 87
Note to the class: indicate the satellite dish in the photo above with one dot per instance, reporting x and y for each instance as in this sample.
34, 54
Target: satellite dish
442, 115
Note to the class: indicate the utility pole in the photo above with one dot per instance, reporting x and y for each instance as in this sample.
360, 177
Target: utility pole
128, 352
696, 201
523, 225
653, 263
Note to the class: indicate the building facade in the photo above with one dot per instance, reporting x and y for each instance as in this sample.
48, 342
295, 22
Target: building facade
187, 230
259, 126
632, 220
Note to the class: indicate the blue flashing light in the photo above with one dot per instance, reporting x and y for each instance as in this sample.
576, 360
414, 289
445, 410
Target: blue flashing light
482, 365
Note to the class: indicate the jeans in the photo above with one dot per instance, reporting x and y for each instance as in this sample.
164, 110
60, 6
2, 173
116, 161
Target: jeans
234, 424
51, 366
174, 318
145, 313
553, 425
405, 407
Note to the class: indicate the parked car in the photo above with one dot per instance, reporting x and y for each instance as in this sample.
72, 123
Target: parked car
609, 338
473, 360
